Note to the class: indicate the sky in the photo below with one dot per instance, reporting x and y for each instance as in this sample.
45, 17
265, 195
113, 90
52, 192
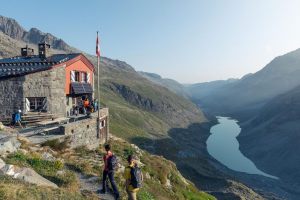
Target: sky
190, 41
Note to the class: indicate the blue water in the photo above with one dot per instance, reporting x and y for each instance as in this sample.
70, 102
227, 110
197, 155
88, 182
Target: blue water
224, 147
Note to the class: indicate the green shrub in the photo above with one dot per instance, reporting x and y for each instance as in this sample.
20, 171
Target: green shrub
144, 195
69, 180
81, 167
45, 167
17, 158
127, 152
82, 150
56, 144
3, 194
58, 164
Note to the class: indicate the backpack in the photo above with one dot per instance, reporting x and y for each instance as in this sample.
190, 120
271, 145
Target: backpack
112, 163
136, 177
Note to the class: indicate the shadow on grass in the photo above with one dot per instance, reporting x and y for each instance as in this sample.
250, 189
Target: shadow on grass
187, 148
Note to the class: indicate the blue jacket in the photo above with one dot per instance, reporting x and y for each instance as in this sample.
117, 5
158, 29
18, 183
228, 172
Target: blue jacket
17, 117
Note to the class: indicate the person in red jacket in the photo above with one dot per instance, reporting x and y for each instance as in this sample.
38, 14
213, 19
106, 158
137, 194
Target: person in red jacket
109, 172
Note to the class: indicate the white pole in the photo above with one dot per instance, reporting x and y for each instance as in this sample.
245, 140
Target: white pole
98, 93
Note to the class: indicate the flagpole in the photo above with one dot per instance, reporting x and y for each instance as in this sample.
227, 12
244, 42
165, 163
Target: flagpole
98, 93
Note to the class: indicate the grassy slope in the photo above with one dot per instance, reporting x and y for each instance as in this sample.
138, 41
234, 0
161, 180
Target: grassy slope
157, 171
129, 119
14, 189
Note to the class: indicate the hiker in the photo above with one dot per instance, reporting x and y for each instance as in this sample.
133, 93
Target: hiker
92, 108
17, 118
95, 105
109, 165
12, 123
133, 176
86, 105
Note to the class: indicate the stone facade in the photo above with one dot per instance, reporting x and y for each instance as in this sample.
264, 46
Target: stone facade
49, 84
84, 132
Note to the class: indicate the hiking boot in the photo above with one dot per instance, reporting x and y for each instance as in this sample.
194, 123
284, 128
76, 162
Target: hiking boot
101, 191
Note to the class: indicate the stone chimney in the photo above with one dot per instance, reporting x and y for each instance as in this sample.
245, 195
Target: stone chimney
26, 51
44, 50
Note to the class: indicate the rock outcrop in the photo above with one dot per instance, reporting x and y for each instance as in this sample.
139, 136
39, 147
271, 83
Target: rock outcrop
11, 28
25, 174
8, 143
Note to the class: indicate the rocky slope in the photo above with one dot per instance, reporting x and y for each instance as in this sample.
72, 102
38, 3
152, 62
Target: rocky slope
277, 124
12, 28
146, 113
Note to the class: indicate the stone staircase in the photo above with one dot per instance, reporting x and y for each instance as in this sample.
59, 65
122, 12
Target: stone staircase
30, 119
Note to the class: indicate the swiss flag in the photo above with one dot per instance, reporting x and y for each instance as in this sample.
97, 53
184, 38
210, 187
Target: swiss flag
97, 46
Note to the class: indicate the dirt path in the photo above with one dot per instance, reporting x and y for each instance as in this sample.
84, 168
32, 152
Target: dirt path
93, 184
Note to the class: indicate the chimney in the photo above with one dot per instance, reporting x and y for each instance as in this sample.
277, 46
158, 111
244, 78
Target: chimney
44, 50
26, 51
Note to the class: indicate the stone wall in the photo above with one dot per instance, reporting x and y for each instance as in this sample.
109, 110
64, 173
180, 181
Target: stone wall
49, 84
11, 95
84, 132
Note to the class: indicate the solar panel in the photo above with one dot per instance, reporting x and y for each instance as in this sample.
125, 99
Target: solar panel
81, 88
87, 88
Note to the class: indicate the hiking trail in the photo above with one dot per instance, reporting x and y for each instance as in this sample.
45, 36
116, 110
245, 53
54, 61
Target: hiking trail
93, 184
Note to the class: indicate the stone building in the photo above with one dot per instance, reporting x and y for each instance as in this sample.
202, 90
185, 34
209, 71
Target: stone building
44, 83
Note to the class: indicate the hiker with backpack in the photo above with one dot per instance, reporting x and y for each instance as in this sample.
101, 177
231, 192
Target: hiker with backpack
134, 177
16, 119
110, 164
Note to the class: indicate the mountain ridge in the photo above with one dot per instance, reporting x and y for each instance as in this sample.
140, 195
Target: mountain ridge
14, 30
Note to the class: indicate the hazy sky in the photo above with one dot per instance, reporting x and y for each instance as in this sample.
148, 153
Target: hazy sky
190, 41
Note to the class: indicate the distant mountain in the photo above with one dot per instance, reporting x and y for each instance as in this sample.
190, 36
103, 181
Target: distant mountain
171, 84
253, 91
199, 91
13, 29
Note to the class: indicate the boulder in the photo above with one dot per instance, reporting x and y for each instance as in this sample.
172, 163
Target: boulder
48, 156
23, 139
23, 151
147, 175
8, 144
1, 126
60, 172
121, 169
25, 174
31, 176
168, 184
2, 163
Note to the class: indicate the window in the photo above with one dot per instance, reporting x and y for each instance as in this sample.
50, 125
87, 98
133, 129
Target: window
102, 124
83, 77
73, 101
77, 76
36, 104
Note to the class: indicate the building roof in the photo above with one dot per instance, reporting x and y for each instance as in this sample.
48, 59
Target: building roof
17, 66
